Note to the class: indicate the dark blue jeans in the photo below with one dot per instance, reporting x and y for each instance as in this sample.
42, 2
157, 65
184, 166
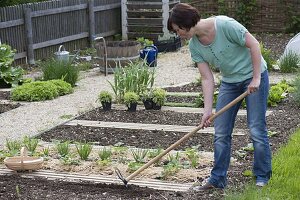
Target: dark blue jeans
256, 118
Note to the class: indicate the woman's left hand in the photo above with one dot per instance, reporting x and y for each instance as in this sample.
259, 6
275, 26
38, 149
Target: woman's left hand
253, 86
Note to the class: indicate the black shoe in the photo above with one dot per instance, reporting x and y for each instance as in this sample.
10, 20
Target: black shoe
205, 187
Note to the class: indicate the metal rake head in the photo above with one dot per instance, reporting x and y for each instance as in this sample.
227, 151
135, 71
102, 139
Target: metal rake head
121, 176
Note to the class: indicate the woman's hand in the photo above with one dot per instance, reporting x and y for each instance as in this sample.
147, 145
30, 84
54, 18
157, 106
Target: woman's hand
254, 85
205, 122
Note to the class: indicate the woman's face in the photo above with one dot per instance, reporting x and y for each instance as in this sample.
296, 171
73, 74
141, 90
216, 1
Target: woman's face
183, 33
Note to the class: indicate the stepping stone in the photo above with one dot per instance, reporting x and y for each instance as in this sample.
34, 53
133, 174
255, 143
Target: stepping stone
138, 126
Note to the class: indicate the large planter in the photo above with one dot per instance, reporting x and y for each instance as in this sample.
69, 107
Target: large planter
3, 84
173, 44
119, 54
148, 103
106, 106
132, 107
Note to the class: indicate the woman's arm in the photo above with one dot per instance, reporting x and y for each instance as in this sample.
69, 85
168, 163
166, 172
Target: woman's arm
254, 47
207, 80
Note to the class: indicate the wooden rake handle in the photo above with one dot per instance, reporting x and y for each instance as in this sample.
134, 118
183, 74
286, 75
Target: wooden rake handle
185, 137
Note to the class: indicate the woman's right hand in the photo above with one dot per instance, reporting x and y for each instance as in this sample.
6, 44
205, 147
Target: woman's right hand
205, 122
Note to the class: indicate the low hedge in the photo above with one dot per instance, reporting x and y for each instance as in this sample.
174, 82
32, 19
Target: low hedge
41, 90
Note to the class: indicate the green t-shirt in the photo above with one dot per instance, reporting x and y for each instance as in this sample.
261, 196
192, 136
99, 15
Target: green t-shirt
227, 52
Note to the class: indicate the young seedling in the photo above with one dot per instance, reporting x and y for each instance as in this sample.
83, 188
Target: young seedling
63, 148
105, 157
84, 150
13, 146
172, 167
139, 155
30, 144
193, 157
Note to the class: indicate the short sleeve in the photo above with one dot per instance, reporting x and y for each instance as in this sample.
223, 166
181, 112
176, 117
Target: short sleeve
195, 53
234, 31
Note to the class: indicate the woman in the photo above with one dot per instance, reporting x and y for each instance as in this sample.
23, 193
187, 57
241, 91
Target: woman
222, 42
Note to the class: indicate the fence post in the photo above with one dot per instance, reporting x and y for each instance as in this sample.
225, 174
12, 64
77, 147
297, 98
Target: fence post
165, 15
124, 19
29, 35
91, 22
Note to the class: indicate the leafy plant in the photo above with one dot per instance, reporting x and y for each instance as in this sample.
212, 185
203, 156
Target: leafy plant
136, 77
105, 96
159, 96
30, 143
144, 42
244, 12
199, 101
133, 166
266, 53
104, 154
62, 148
10, 75
130, 98
62, 86
69, 160
296, 92
84, 150
13, 146
278, 92
248, 173
154, 153
46, 151
56, 69
289, 62
139, 155
193, 157
172, 167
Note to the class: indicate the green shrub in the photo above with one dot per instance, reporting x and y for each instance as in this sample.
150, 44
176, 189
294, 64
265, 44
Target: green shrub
159, 96
289, 62
105, 96
10, 75
266, 53
41, 90
62, 86
35, 91
296, 93
130, 97
55, 69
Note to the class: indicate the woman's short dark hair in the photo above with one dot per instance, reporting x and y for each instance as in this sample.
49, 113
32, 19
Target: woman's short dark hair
184, 16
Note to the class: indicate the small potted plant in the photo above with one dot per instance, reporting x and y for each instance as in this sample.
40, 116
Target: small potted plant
159, 98
105, 98
147, 99
131, 100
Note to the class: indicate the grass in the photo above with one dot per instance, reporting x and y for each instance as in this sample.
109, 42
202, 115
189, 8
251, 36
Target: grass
285, 182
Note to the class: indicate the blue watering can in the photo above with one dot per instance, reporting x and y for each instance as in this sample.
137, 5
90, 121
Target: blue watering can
149, 53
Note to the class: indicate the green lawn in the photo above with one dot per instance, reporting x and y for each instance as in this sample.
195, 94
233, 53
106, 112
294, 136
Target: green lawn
285, 182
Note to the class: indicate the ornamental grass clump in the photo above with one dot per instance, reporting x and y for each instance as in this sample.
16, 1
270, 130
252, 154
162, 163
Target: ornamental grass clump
135, 77
289, 62
31, 144
84, 150
62, 148
56, 69
130, 98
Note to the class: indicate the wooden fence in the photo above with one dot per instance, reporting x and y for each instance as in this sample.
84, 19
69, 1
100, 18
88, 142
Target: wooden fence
268, 16
36, 30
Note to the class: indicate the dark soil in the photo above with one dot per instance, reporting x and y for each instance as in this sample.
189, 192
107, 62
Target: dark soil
8, 107
4, 95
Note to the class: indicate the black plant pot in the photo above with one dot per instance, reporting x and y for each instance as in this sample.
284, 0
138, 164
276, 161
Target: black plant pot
106, 106
156, 107
132, 107
148, 104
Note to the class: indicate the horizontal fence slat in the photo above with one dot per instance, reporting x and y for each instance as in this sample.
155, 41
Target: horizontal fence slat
107, 7
11, 23
58, 10
60, 40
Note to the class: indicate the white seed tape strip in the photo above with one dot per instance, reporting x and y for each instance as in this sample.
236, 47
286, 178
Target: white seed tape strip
151, 127
241, 112
51, 175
